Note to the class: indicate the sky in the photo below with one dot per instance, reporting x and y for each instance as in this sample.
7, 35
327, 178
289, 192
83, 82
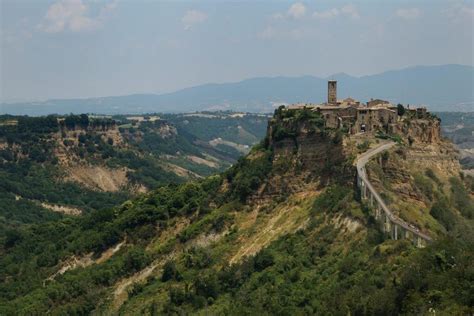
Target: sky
91, 48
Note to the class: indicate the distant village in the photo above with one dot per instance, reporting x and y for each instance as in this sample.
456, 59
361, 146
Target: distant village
357, 117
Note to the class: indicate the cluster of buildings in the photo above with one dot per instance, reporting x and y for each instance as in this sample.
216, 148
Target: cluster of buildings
357, 117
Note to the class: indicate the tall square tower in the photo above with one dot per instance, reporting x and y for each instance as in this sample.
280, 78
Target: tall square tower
332, 92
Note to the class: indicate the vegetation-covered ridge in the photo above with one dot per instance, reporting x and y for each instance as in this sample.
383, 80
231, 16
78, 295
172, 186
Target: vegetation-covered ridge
57, 166
283, 231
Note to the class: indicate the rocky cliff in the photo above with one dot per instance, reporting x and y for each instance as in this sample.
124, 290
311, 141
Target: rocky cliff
423, 130
304, 154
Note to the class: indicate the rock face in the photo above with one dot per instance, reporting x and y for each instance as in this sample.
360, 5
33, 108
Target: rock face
412, 177
310, 148
305, 156
419, 130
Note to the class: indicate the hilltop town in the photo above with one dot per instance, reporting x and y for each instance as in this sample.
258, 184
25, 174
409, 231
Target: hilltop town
353, 116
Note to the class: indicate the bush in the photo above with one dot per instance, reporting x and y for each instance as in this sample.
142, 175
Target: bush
263, 260
363, 146
136, 289
170, 272
400, 109
332, 200
461, 198
424, 185
207, 286
135, 260
441, 211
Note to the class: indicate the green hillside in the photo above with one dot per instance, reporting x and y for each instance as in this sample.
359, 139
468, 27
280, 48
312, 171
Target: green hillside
283, 231
55, 167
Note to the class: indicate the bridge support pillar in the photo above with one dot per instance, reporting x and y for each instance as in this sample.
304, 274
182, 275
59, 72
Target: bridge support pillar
388, 225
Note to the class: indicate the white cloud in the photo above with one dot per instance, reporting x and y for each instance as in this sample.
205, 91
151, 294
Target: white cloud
268, 33
72, 15
350, 10
278, 16
467, 11
193, 17
346, 11
271, 32
328, 14
297, 10
409, 14
460, 12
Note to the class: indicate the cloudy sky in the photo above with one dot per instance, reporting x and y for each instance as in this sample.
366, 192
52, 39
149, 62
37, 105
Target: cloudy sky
81, 48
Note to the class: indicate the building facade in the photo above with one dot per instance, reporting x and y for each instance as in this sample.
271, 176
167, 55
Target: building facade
353, 116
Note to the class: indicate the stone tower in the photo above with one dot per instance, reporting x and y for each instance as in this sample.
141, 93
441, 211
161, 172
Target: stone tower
332, 92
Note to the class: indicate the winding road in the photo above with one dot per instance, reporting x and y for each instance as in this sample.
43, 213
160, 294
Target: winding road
362, 173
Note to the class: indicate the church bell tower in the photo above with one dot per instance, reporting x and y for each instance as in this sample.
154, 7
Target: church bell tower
332, 92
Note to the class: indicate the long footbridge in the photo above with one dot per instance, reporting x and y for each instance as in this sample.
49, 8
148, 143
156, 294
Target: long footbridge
391, 224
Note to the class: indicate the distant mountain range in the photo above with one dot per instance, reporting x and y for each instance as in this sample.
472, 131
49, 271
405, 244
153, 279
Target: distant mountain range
440, 88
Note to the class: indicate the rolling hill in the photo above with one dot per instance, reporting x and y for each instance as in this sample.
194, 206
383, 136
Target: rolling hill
441, 88
281, 232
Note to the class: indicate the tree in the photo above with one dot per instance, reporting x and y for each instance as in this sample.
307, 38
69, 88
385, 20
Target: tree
263, 260
84, 121
207, 286
400, 109
170, 272
82, 138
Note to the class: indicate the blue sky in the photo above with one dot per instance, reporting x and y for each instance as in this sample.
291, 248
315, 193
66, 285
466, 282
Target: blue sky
80, 48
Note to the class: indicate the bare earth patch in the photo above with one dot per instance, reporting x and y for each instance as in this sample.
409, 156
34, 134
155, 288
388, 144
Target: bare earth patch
262, 229
98, 178
202, 161
74, 262
347, 223
242, 148
62, 209
180, 171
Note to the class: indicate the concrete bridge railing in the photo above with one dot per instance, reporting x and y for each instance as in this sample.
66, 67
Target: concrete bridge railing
391, 224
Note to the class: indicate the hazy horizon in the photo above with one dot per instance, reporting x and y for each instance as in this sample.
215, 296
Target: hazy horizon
227, 82
85, 49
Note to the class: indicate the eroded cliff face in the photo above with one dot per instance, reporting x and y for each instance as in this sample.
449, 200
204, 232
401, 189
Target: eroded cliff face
305, 156
413, 178
309, 148
426, 130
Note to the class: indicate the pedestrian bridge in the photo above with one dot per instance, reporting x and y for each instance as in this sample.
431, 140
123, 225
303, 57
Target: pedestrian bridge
391, 224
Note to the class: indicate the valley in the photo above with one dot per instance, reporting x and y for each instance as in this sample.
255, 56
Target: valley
236, 158
284, 229
58, 166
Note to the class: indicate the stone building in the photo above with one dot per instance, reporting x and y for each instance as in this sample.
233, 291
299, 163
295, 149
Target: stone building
332, 92
356, 117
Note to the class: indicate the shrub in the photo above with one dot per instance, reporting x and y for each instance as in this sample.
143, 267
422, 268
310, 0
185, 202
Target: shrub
363, 146
424, 185
332, 200
263, 260
136, 289
170, 272
400, 109
441, 211
461, 198
207, 286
